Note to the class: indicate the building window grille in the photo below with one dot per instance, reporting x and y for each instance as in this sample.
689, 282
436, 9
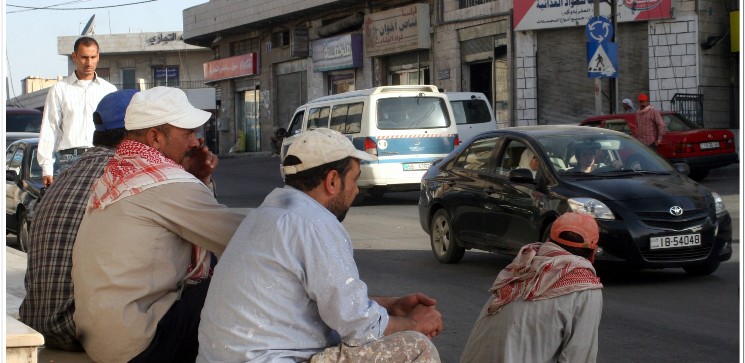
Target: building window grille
462, 4
166, 76
245, 46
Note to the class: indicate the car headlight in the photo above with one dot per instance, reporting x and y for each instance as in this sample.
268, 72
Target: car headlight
718, 203
590, 206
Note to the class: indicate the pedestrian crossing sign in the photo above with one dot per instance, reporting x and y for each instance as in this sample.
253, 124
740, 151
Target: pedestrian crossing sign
602, 60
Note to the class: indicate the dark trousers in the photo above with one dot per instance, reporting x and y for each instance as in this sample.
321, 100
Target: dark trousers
176, 336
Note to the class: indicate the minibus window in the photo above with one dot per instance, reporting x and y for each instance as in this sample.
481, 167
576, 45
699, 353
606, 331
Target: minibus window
412, 113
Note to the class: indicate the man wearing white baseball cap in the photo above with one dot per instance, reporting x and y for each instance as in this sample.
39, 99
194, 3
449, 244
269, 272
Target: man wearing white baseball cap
143, 256
290, 281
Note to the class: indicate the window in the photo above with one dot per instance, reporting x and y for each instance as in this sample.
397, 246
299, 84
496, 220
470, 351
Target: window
296, 124
347, 118
166, 76
470, 111
128, 78
462, 4
401, 113
16, 160
35, 172
104, 73
318, 117
478, 156
245, 46
510, 158
280, 39
618, 125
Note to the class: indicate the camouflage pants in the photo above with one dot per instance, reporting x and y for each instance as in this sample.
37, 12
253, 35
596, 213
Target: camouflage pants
406, 346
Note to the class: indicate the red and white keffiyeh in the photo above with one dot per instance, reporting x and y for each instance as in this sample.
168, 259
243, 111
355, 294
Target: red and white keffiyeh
136, 167
542, 270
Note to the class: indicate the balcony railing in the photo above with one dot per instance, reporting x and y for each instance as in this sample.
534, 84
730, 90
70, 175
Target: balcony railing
147, 85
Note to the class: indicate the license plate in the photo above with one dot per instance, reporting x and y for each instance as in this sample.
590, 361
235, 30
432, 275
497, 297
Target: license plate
685, 240
416, 166
710, 145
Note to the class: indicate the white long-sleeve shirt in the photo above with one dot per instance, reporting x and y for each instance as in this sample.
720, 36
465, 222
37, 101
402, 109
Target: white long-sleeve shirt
287, 287
68, 117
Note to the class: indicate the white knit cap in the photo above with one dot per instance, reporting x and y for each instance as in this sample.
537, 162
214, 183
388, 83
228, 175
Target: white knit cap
322, 146
163, 105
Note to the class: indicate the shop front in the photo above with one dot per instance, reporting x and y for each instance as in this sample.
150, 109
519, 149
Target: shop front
242, 71
339, 59
399, 42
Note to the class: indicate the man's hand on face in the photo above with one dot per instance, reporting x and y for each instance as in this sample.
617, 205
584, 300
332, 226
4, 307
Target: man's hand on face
201, 162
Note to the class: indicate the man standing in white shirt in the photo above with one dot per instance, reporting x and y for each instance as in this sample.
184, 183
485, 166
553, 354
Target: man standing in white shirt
67, 126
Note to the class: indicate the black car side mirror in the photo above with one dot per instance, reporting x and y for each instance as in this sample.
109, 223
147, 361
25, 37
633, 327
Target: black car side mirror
682, 168
521, 175
11, 175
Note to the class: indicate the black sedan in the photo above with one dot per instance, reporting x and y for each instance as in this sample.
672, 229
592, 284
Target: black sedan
23, 187
651, 215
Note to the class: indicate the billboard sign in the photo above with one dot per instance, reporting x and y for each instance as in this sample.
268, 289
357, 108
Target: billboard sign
547, 14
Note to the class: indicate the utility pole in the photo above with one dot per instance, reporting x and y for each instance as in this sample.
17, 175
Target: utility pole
614, 81
597, 88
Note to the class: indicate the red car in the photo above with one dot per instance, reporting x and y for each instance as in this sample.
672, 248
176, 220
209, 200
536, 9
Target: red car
684, 142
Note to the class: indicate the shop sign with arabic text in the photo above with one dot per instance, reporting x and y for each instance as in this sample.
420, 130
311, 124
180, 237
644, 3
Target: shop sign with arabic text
397, 30
546, 14
233, 67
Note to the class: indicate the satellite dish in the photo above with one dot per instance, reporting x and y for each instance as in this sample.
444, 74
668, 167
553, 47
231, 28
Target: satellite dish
90, 27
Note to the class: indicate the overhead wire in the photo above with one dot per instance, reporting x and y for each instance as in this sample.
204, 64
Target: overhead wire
52, 7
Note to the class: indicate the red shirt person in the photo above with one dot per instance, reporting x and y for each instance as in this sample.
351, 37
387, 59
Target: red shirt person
649, 125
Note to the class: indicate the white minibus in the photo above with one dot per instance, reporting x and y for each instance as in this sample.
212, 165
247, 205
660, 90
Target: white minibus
406, 127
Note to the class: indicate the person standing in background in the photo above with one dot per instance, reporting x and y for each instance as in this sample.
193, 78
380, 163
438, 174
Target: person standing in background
650, 128
628, 106
67, 125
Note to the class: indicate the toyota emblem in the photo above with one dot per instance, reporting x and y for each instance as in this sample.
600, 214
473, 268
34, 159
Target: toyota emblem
676, 211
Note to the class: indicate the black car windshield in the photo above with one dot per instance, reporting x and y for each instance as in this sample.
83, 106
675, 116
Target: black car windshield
586, 155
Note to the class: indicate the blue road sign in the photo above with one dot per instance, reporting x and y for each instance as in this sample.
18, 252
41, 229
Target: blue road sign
602, 60
599, 29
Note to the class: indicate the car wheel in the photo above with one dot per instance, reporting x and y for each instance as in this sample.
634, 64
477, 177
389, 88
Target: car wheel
699, 174
702, 270
23, 225
442, 238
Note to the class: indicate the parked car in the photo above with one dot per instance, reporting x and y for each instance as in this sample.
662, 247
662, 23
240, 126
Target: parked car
649, 213
684, 141
473, 113
22, 119
13, 136
23, 187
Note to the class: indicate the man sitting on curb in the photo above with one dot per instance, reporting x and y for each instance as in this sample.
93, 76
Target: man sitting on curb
546, 304
142, 261
288, 289
48, 305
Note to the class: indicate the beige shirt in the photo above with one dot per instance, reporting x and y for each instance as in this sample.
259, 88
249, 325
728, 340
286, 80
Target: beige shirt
129, 258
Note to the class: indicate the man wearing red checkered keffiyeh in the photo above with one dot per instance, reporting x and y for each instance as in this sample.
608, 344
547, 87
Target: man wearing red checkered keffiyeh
141, 263
546, 304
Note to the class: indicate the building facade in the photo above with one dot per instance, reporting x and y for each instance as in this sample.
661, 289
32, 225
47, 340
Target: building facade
529, 57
